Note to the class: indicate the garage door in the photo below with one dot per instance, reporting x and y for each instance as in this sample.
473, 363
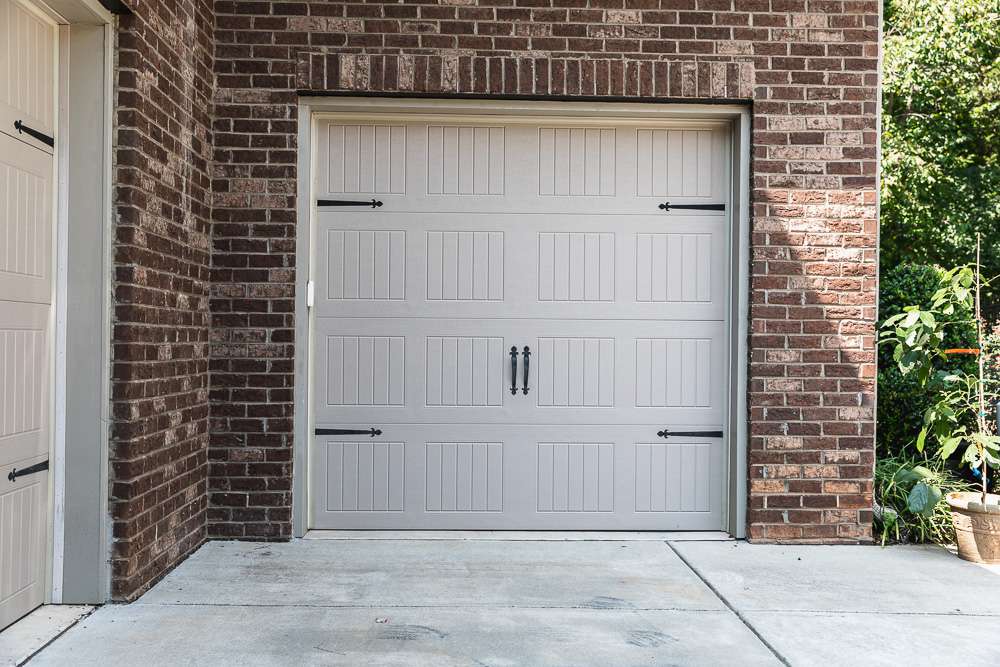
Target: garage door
520, 325
27, 87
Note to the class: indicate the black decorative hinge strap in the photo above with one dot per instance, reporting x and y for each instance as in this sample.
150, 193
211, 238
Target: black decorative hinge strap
44, 138
372, 432
374, 203
38, 467
666, 433
667, 206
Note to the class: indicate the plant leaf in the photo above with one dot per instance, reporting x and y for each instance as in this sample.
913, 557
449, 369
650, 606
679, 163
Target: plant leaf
922, 499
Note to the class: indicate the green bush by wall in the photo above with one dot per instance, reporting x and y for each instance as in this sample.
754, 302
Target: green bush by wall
901, 401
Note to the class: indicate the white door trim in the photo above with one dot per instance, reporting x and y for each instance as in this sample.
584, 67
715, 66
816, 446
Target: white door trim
629, 113
99, 65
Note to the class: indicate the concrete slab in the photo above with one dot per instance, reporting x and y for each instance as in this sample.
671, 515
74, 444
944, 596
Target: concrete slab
871, 579
22, 639
436, 573
549, 602
145, 635
825, 639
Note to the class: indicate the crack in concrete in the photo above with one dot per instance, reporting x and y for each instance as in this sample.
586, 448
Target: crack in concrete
777, 654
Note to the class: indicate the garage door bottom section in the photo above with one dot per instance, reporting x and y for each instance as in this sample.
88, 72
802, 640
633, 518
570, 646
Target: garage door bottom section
530, 477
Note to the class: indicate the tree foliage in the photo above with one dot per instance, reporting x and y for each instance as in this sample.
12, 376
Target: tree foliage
941, 132
902, 400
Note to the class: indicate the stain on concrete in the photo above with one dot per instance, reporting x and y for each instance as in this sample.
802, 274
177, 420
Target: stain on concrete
648, 638
409, 632
607, 602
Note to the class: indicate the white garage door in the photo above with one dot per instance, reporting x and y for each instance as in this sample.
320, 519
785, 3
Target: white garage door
536, 342
27, 92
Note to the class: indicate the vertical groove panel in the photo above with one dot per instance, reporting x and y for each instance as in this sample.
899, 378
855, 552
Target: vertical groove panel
27, 71
672, 477
574, 372
22, 362
367, 159
465, 266
464, 371
673, 372
673, 268
576, 162
364, 476
463, 476
365, 370
575, 477
576, 266
465, 160
675, 163
24, 221
366, 265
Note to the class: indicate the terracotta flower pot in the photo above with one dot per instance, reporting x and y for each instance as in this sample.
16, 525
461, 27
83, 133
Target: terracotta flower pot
977, 529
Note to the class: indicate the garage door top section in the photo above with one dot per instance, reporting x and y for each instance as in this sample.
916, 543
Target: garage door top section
486, 167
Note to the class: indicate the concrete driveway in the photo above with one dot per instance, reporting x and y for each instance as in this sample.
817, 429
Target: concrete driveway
485, 601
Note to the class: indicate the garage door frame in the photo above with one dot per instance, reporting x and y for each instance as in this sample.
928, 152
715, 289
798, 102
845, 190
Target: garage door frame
313, 109
79, 531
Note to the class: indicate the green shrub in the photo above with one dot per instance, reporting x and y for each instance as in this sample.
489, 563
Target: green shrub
895, 480
901, 400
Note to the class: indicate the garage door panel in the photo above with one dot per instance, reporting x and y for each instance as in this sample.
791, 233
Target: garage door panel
501, 477
25, 222
23, 507
27, 94
483, 167
24, 381
27, 72
547, 238
392, 264
431, 370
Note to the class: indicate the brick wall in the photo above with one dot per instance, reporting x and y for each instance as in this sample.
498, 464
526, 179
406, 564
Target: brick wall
162, 147
810, 69
205, 211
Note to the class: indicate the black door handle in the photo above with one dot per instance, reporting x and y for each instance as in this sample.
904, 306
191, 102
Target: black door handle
513, 370
527, 358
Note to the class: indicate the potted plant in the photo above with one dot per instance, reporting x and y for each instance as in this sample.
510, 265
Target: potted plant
959, 421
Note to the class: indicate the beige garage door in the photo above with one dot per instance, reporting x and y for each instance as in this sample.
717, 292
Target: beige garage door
27, 112
537, 339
